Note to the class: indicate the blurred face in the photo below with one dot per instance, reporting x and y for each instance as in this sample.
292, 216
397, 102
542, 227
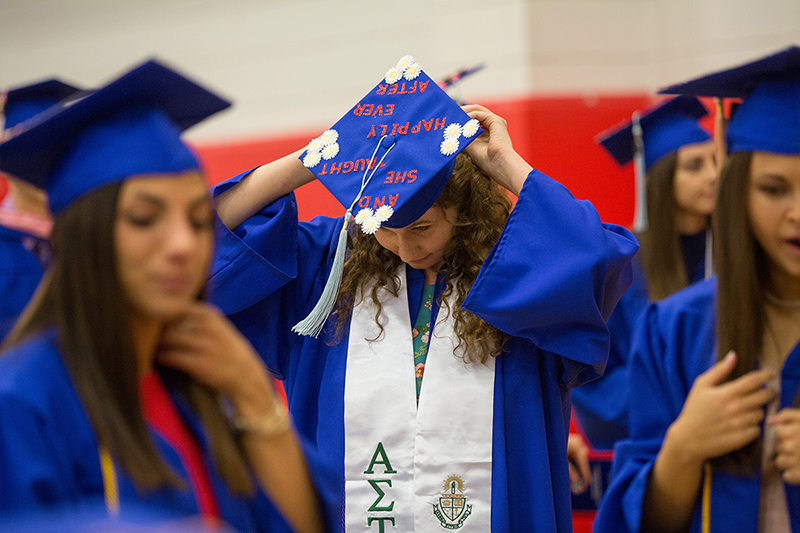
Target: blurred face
164, 239
421, 245
774, 209
696, 176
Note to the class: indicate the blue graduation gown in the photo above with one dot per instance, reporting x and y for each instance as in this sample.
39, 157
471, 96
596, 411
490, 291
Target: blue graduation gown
49, 456
20, 273
602, 405
551, 282
675, 342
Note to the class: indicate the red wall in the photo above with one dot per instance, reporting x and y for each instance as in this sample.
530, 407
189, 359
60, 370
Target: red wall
555, 134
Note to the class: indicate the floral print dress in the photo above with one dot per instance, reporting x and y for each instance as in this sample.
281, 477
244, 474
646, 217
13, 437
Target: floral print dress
421, 334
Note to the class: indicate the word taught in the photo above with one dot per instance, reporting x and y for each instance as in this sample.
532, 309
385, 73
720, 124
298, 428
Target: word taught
348, 166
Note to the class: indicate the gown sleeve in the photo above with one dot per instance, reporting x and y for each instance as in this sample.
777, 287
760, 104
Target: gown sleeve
39, 468
554, 277
601, 406
267, 273
28, 466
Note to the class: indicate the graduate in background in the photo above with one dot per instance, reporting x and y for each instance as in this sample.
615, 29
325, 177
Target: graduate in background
709, 363
675, 199
438, 390
25, 220
107, 391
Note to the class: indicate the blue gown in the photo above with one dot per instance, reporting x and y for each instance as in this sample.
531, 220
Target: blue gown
551, 282
20, 273
49, 457
673, 344
602, 405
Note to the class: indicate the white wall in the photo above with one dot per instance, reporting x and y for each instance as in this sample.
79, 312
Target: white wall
294, 65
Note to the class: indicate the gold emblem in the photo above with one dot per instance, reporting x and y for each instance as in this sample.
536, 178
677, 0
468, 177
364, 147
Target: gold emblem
452, 509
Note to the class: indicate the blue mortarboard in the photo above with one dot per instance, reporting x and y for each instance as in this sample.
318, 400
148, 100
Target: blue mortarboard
22, 103
408, 131
388, 160
651, 135
665, 128
130, 127
769, 118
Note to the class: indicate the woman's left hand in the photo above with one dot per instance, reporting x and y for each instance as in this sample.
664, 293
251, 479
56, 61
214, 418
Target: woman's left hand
787, 446
493, 151
206, 345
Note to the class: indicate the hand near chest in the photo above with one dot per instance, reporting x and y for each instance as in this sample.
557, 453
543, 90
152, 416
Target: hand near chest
719, 417
208, 347
786, 425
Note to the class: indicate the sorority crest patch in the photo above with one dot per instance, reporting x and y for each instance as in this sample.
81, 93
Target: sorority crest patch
452, 509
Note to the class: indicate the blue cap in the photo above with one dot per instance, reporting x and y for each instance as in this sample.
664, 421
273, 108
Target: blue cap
407, 132
130, 127
665, 128
22, 103
769, 118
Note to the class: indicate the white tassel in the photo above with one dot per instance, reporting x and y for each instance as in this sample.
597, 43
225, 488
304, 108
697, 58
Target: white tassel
313, 323
640, 212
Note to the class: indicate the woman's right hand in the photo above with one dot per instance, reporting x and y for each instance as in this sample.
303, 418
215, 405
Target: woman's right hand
719, 417
206, 345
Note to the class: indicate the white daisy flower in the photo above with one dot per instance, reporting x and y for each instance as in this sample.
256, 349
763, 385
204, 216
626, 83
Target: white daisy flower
412, 71
363, 215
449, 146
328, 137
393, 75
370, 225
405, 62
452, 131
312, 159
330, 151
315, 145
383, 213
470, 128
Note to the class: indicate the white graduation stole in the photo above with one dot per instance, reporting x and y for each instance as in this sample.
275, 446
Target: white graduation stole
409, 469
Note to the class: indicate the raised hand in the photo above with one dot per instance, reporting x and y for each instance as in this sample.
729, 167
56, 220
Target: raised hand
493, 151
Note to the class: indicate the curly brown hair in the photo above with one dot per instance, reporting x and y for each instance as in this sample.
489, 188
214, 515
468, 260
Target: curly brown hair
482, 209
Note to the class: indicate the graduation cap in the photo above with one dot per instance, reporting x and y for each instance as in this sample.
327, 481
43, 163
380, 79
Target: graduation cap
130, 127
665, 128
769, 118
649, 136
22, 103
387, 159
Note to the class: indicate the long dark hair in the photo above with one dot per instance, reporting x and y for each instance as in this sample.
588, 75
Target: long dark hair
741, 266
660, 247
482, 209
82, 297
